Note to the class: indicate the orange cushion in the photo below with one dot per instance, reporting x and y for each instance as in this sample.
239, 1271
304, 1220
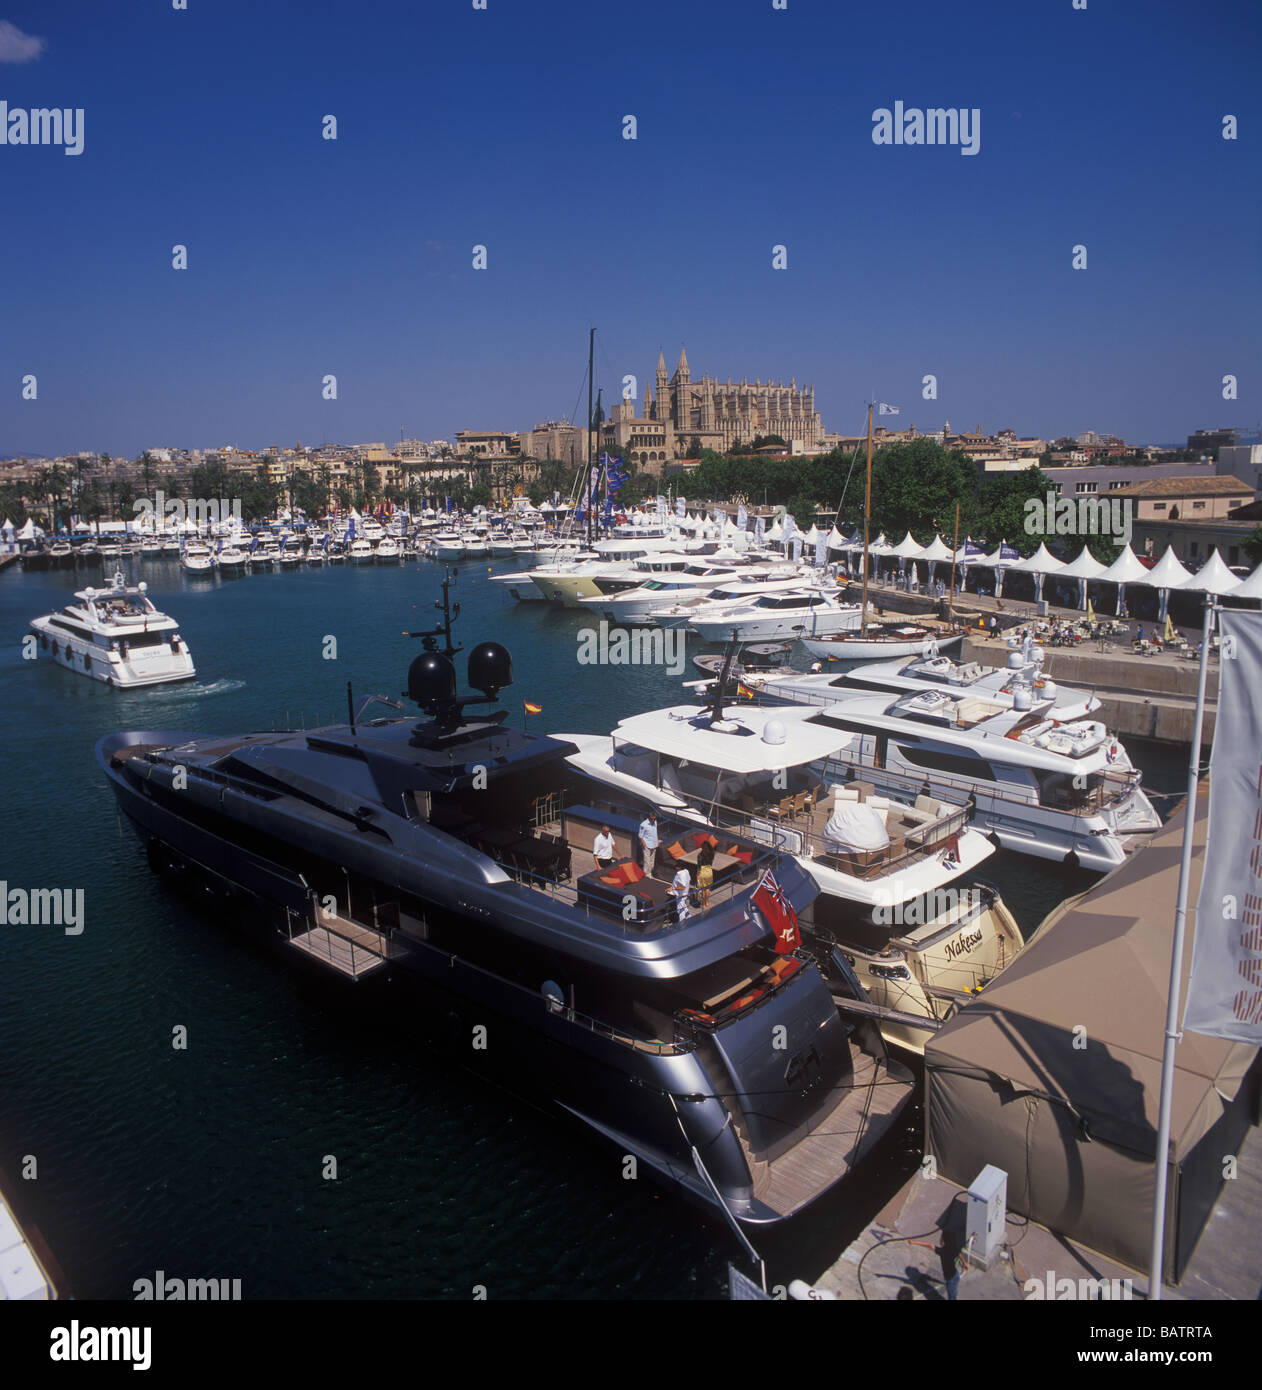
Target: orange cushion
676, 851
614, 880
632, 873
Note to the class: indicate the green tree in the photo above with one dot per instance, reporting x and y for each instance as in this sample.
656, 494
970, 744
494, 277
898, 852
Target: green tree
916, 484
1000, 510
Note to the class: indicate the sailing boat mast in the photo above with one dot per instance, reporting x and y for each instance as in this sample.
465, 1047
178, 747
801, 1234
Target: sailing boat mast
954, 551
867, 507
591, 427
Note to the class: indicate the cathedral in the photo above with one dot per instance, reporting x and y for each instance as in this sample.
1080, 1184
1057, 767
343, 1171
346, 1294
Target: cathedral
719, 414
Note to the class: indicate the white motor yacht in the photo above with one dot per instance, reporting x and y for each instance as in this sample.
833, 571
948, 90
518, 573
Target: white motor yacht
1044, 785
1020, 684
734, 591
695, 582
360, 551
197, 558
894, 872
796, 613
232, 559
116, 636
387, 551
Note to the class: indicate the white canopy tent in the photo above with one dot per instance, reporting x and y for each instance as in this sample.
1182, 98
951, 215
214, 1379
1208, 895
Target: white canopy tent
1125, 570
1083, 567
934, 553
1168, 573
1251, 587
998, 562
1040, 565
1213, 577
908, 548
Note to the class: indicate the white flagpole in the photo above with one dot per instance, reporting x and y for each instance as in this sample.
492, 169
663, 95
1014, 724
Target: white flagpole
1155, 1257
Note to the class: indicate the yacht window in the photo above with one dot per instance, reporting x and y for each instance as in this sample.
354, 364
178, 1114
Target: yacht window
957, 764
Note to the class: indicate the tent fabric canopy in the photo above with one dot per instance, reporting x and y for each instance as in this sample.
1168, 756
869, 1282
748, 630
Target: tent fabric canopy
1251, 587
1083, 566
935, 550
1213, 577
908, 548
1126, 569
1167, 573
1041, 562
1008, 1080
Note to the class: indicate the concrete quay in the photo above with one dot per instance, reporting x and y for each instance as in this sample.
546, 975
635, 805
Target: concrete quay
909, 1251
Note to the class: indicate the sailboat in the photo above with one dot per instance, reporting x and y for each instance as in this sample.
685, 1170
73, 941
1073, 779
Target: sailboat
883, 641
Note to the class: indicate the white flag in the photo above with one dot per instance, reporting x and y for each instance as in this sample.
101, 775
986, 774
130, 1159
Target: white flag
884, 409
1225, 988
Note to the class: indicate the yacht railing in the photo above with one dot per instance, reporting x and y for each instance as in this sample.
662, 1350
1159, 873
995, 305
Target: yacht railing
1095, 799
792, 832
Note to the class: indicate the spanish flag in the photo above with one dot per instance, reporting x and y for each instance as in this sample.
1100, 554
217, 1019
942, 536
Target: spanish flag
743, 691
531, 709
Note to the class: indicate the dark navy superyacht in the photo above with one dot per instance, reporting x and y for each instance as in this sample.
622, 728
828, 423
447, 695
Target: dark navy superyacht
448, 864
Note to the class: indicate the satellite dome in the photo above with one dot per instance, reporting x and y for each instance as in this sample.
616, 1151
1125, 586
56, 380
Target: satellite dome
431, 680
773, 731
490, 668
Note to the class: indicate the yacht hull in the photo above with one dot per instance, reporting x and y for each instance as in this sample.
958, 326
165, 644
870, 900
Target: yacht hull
665, 1100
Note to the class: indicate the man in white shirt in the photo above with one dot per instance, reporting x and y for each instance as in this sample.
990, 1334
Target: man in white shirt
648, 842
603, 848
680, 887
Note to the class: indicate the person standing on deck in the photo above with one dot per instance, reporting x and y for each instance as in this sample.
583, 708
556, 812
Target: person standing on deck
705, 873
647, 840
603, 849
680, 887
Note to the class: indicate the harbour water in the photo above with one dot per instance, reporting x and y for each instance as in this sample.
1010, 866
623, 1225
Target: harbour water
209, 1162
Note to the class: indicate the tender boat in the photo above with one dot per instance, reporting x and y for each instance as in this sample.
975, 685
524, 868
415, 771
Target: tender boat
115, 635
884, 640
380, 854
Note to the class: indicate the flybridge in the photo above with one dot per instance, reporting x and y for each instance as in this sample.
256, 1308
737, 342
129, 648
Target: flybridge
42, 126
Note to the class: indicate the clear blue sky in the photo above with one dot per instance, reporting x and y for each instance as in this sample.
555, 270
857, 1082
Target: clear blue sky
504, 127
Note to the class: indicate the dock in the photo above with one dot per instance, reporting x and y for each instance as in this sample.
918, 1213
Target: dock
910, 1251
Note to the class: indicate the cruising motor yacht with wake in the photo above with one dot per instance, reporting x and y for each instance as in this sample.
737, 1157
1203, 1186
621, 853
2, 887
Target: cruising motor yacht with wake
447, 865
116, 636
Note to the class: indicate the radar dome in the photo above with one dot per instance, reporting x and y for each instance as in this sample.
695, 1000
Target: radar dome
773, 732
490, 668
431, 680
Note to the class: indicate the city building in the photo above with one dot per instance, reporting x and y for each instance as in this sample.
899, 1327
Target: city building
1209, 441
1188, 499
718, 415
555, 439
1243, 461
